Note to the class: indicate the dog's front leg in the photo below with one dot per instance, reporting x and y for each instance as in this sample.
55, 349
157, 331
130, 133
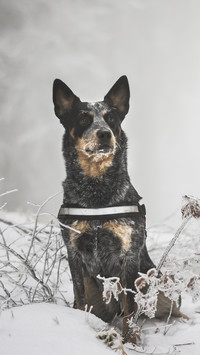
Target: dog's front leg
130, 307
75, 264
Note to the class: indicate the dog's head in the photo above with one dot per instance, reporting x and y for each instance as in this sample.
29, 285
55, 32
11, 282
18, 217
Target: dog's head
93, 129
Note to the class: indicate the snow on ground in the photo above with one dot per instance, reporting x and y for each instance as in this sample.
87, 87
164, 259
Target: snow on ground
178, 335
55, 327
49, 329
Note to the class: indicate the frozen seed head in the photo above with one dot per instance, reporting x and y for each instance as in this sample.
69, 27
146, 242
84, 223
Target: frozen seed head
191, 207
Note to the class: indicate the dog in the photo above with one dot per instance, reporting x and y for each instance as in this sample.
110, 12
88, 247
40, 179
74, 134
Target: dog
100, 205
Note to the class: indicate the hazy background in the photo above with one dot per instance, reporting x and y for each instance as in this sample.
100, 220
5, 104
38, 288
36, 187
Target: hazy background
89, 44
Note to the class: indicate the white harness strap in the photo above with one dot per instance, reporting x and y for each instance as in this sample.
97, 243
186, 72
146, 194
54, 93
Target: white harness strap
98, 211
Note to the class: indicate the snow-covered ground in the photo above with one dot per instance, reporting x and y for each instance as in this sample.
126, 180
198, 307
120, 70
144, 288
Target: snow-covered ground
53, 329
49, 329
50, 325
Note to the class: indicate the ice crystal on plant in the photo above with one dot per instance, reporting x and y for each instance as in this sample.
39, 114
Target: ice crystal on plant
171, 285
193, 287
111, 286
191, 207
147, 293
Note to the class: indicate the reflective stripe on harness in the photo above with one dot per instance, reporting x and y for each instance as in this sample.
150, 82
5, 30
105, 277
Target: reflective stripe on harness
91, 212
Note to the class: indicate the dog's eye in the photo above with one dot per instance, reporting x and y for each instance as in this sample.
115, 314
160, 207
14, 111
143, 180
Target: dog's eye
110, 119
85, 119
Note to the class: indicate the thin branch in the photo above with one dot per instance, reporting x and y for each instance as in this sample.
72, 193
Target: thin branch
30, 269
52, 266
36, 220
4, 205
4, 241
8, 192
18, 226
62, 224
172, 242
168, 318
5, 289
46, 256
191, 343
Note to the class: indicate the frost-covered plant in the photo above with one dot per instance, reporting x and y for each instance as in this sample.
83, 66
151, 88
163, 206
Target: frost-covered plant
33, 262
191, 207
172, 283
182, 273
6, 193
193, 287
111, 287
39, 277
176, 277
147, 301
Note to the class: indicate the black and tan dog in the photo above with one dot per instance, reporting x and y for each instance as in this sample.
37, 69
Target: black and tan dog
99, 200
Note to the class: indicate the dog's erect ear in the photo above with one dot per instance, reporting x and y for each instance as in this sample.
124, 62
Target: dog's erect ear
63, 98
119, 95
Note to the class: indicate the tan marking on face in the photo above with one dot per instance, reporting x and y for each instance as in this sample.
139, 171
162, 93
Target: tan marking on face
122, 231
81, 226
94, 164
90, 113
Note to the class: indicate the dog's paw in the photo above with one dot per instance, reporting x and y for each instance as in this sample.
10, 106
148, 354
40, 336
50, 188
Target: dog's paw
108, 336
112, 338
133, 335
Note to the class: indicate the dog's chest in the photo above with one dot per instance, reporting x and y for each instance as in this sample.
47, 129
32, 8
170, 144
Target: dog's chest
102, 246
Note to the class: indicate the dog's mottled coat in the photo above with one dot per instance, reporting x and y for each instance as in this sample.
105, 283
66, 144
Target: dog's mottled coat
95, 153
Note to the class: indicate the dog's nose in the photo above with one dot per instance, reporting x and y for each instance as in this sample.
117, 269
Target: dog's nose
104, 135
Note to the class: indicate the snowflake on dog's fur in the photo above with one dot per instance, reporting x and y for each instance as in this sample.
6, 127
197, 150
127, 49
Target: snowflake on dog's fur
191, 207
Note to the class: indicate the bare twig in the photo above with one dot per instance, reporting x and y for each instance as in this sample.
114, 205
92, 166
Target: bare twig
191, 343
8, 192
31, 271
5, 289
21, 227
36, 220
172, 242
61, 224
4, 205
168, 319
4, 241
46, 254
